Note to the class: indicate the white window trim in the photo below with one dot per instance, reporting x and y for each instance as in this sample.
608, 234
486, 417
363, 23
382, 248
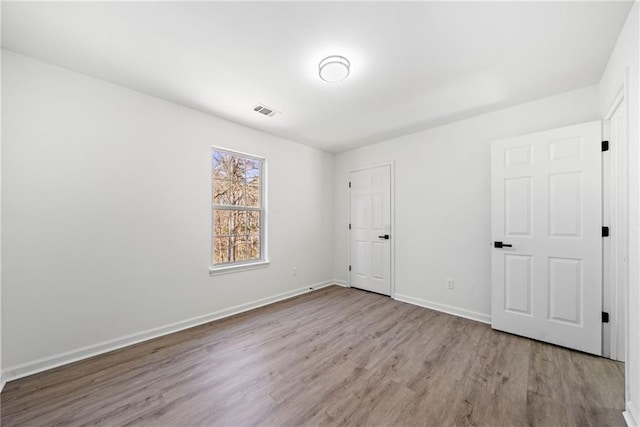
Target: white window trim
216, 270
234, 268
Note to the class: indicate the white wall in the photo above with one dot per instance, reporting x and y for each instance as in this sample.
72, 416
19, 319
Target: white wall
442, 182
106, 215
624, 61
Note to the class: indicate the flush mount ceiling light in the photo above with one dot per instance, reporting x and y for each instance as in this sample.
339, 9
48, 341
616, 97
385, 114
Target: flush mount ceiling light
334, 68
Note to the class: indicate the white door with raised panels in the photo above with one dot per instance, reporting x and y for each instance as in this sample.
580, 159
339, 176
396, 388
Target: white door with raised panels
370, 236
546, 193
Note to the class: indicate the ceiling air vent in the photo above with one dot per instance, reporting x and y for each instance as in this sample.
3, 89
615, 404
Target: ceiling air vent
264, 110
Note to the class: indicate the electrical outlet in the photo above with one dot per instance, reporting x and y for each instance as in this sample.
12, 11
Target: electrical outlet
449, 283
294, 271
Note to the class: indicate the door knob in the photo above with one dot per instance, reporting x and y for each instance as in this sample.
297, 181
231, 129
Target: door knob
501, 245
384, 236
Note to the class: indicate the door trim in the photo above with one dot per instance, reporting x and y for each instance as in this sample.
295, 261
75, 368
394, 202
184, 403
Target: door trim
392, 241
613, 285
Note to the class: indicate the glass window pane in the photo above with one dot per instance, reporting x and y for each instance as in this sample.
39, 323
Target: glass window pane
236, 193
236, 246
253, 247
221, 253
243, 254
221, 223
237, 166
220, 162
221, 191
237, 220
242, 223
232, 251
252, 173
253, 222
252, 195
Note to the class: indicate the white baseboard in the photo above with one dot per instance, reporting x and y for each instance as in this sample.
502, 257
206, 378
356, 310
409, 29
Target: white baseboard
631, 415
342, 283
321, 285
33, 367
460, 312
2, 383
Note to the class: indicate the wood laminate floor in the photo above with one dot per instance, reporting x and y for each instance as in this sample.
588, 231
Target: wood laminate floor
335, 356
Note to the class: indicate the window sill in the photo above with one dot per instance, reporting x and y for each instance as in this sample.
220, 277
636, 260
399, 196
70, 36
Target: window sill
227, 269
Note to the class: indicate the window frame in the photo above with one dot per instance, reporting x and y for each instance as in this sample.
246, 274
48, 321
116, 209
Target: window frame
231, 267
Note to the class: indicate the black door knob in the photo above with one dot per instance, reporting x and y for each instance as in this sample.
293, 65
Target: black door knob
501, 245
384, 236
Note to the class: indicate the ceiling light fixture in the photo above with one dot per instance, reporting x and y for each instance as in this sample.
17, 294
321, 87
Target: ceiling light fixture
334, 68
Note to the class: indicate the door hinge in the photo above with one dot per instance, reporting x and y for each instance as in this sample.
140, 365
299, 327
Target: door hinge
349, 268
605, 145
349, 226
605, 231
349, 184
605, 317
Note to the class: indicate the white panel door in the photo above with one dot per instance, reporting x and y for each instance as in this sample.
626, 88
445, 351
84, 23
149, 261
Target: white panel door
547, 205
371, 229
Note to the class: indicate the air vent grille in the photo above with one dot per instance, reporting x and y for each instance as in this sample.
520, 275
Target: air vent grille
264, 110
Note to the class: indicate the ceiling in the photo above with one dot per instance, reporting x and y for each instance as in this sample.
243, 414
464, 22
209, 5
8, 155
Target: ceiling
414, 65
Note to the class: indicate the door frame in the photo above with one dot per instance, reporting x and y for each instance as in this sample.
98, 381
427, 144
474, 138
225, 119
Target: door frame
612, 285
392, 231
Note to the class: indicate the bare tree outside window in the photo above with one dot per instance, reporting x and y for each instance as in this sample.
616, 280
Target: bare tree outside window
238, 208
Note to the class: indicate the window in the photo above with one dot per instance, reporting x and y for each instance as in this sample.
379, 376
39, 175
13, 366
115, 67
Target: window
238, 210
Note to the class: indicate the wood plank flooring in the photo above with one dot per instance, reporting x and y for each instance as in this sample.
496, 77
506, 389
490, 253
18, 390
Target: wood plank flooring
335, 356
